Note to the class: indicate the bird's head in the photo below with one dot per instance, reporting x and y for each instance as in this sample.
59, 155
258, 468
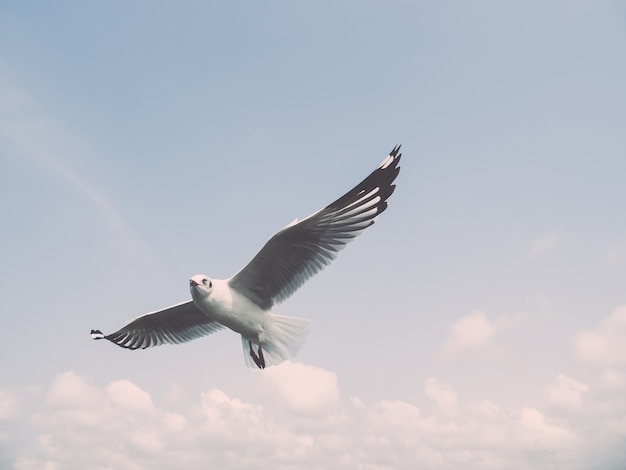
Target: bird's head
200, 285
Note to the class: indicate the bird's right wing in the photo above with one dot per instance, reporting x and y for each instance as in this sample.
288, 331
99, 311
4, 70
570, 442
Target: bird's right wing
174, 325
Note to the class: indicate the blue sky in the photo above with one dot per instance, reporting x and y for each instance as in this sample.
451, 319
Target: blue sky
480, 322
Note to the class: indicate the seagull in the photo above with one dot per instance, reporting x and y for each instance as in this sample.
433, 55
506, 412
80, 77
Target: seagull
243, 303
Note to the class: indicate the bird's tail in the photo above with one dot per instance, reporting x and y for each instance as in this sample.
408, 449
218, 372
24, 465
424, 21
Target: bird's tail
284, 339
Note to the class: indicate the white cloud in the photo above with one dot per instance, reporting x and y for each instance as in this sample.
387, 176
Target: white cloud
613, 379
604, 345
119, 426
544, 244
475, 330
127, 394
229, 419
301, 388
565, 391
538, 433
442, 394
9, 405
9, 414
68, 390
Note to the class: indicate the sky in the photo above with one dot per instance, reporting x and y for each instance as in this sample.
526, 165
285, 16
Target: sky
480, 323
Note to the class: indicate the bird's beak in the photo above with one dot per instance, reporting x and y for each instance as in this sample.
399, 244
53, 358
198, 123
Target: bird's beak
193, 283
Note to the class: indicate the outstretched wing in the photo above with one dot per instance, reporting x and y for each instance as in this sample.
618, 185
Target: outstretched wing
174, 325
302, 249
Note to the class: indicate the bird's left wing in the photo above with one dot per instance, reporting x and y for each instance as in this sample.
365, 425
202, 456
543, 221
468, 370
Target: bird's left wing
303, 248
176, 324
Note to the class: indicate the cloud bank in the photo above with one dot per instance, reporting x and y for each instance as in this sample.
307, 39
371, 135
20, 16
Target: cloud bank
605, 345
301, 420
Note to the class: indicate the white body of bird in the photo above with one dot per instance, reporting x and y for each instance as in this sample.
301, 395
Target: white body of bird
281, 336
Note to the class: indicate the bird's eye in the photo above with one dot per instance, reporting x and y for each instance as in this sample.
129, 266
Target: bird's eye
204, 281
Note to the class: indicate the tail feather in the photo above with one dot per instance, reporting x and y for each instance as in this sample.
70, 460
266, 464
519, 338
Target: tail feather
284, 338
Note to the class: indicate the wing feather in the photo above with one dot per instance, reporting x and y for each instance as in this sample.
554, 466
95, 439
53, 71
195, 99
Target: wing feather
303, 248
173, 325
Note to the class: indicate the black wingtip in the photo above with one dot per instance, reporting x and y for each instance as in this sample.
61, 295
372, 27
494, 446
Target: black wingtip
396, 155
97, 334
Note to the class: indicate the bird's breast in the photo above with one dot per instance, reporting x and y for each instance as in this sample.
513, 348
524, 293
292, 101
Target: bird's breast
233, 310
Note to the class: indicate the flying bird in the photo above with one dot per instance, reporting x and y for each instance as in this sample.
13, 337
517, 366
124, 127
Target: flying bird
243, 302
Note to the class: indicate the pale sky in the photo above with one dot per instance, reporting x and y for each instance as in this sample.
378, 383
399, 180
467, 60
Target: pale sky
479, 324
